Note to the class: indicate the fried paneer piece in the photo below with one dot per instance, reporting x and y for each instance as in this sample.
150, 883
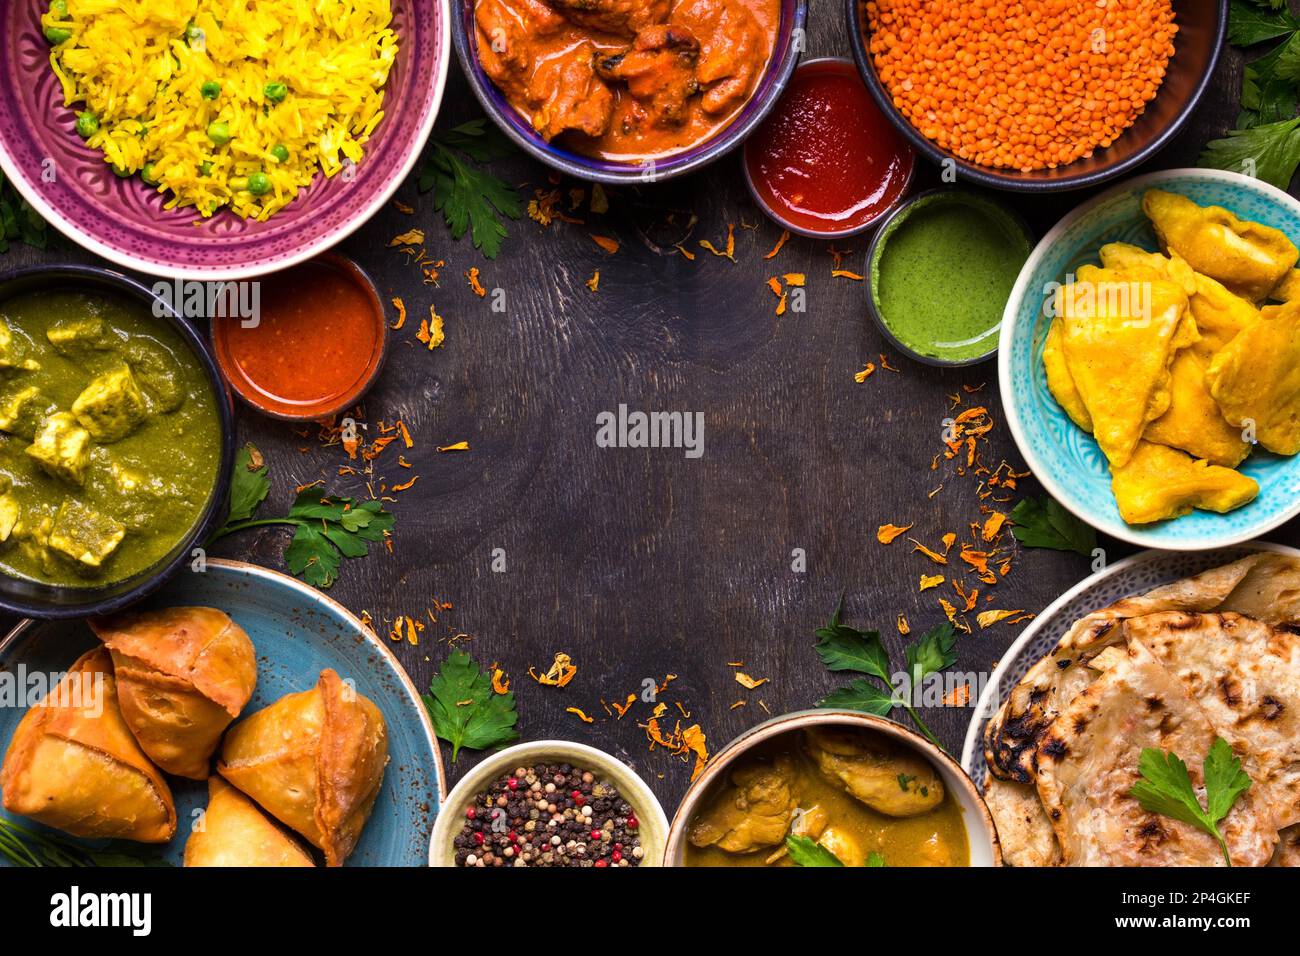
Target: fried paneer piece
568, 95
1118, 337
111, 405
1159, 482
659, 70
62, 448
624, 18
1193, 421
11, 352
84, 535
1256, 379
1247, 257
22, 412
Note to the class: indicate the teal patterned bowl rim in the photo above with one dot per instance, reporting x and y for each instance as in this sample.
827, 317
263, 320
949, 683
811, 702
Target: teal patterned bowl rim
1065, 459
1132, 576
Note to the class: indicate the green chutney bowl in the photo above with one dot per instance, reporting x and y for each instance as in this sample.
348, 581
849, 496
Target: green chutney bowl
950, 284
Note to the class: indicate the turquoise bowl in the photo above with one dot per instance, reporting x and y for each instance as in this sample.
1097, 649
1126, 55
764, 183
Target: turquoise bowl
297, 632
1062, 456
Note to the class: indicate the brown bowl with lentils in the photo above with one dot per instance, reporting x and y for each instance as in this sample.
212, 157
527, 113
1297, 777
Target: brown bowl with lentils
550, 803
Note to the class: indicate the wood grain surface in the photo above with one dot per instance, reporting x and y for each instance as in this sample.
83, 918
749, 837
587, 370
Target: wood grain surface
640, 563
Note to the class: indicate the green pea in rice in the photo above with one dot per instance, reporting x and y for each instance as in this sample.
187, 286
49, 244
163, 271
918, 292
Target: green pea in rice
302, 76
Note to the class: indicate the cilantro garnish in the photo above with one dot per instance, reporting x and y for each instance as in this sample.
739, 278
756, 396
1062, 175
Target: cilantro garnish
1266, 142
326, 529
845, 648
1043, 523
1166, 788
470, 199
465, 710
30, 848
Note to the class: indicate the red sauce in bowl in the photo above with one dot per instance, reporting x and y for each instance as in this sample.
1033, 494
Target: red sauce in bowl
316, 347
827, 161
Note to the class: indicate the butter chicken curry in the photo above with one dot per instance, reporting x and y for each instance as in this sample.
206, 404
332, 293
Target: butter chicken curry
855, 793
627, 80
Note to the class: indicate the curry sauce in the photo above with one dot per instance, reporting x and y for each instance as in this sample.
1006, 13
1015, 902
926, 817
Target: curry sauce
795, 785
627, 80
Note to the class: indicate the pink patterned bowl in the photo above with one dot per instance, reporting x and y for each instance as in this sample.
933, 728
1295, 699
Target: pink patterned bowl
124, 221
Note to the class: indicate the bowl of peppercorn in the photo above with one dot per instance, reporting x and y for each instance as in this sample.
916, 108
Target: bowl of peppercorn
550, 803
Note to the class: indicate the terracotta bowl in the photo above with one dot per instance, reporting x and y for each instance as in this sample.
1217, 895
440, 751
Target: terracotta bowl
980, 831
654, 824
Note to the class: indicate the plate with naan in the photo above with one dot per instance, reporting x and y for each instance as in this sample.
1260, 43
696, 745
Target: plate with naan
1162, 653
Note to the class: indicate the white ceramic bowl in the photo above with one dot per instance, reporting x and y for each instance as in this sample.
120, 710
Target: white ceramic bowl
650, 815
980, 831
1061, 455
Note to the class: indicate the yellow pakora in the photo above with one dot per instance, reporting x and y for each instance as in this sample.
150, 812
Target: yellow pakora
1159, 482
1255, 379
1059, 382
1247, 257
1193, 421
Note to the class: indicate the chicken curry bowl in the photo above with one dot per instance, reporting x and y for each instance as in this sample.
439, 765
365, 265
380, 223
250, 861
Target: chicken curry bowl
828, 795
110, 437
625, 81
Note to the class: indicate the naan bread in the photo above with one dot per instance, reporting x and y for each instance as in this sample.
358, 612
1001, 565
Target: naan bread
1246, 677
1088, 762
1023, 828
1288, 848
1264, 586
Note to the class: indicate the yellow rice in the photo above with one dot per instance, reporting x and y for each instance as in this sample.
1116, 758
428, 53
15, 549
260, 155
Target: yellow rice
140, 65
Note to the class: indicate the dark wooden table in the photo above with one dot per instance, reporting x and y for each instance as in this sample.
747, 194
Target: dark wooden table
640, 563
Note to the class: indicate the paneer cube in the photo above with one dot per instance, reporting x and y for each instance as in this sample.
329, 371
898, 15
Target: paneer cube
111, 405
92, 334
62, 448
11, 352
9, 514
22, 412
85, 535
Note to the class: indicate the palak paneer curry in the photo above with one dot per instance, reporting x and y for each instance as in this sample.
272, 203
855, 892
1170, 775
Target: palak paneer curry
109, 438
852, 791
627, 80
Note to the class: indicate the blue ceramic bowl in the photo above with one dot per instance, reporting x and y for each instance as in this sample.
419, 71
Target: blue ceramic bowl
1066, 459
37, 599
298, 632
790, 39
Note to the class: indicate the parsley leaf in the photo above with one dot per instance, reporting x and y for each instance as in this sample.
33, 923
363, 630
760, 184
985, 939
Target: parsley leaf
844, 648
1044, 523
469, 198
1248, 24
860, 695
1166, 788
875, 859
326, 529
18, 220
1273, 149
465, 710
805, 851
932, 653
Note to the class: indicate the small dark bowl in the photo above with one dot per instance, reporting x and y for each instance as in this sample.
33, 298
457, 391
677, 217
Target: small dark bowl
1202, 27
790, 34
1009, 219
39, 600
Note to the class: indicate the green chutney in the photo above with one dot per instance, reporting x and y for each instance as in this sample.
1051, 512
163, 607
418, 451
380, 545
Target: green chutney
109, 438
941, 275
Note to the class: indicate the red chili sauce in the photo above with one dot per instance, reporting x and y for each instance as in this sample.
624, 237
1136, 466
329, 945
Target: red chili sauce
316, 347
827, 159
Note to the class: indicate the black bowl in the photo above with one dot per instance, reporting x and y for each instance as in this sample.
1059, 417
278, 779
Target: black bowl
36, 599
1202, 27
767, 90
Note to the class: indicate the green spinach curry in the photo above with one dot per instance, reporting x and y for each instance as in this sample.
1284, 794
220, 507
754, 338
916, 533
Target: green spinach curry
109, 438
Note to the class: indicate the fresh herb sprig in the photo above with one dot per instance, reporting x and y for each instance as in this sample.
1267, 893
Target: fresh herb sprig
1166, 788
26, 847
1266, 141
804, 851
18, 220
326, 529
1043, 523
466, 710
471, 199
845, 648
